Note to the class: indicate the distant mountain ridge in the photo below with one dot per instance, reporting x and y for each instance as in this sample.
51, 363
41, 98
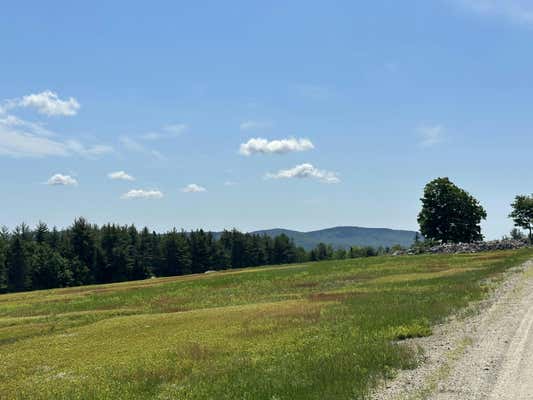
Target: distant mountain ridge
346, 236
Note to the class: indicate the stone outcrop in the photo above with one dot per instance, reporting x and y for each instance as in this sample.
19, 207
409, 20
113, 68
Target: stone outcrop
457, 248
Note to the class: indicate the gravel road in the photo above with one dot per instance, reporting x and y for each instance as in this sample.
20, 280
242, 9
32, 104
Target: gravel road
485, 357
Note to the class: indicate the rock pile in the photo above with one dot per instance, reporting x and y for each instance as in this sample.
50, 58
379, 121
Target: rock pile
475, 247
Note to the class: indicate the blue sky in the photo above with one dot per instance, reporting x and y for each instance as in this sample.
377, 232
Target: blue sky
248, 114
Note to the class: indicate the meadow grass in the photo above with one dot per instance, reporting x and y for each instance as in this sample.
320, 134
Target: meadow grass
327, 330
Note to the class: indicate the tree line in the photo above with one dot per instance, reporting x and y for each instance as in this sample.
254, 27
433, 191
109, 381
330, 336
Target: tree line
84, 253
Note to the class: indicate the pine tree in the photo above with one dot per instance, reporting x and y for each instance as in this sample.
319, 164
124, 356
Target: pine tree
200, 260
18, 263
176, 254
4, 243
85, 253
144, 253
41, 233
82, 244
49, 269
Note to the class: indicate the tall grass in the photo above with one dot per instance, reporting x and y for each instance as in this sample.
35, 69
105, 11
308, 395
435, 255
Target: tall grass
328, 330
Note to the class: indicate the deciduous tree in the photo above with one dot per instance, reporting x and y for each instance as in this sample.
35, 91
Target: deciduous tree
522, 213
449, 213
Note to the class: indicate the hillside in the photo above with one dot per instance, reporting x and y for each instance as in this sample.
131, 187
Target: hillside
312, 331
346, 236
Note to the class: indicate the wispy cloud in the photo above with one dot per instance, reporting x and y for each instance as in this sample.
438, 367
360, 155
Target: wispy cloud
92, 151
303, 171
131, 144
120, 175
193, 188
264, 146
142, 194
230, 183
47, 103
519, 11
430, 135
168, 132
61, 180
20, 138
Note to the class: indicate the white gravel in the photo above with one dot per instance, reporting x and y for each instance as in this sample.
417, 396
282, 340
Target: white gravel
485, 356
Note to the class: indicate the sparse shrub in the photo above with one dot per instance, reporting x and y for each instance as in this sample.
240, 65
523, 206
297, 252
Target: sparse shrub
414, 330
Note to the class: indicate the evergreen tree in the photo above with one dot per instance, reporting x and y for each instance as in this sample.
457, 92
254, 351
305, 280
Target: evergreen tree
18, 263
144, 254
41, 233
200, 258
4, 243
322, 252
85, 253
156, 254
54, 239
49, 269
284, 250
176, 254
83, 249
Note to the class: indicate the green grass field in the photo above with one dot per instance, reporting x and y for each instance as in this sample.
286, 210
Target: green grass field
327, 330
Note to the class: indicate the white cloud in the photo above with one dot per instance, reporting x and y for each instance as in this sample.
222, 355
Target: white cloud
230, 183
519, 11
62, 180
168, 132
263, 146
47, 103
120, 175
193, 188
305, 171
251, 125
142, 194
19, 138
430, 135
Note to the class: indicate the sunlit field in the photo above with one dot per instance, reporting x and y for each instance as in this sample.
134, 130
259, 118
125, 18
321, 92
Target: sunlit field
328, 330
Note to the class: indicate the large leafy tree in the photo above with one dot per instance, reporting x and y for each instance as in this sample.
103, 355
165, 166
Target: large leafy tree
522, 213
449, 213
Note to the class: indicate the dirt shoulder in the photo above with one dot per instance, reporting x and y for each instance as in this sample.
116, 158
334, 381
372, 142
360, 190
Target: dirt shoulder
488, 355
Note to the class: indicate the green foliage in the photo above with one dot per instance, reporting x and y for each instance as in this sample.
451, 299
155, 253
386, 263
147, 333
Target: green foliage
312, 331
522, 213
366, 251
412, 330
517, 234
19, 276
450, 214
321, 252
86, 254
4, 237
